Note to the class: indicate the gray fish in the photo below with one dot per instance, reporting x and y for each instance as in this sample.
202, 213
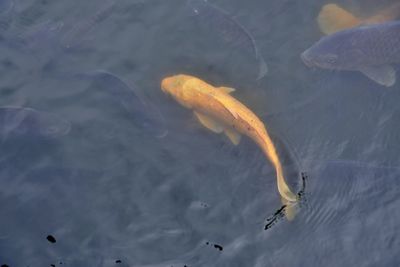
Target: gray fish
78, 33
232, 31
6, 13
52, 37
39, 37
143, 114
22, 121
370, 49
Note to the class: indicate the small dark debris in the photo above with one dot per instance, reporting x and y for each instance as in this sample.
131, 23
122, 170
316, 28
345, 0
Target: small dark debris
52, 265
218, 247
51, 239
207, 243
4, 265
279, 214
118, 261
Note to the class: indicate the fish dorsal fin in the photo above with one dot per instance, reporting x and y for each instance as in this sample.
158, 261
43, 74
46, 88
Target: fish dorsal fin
382, 74
227, 90
333, 18
209, 123
233, 135
226, 102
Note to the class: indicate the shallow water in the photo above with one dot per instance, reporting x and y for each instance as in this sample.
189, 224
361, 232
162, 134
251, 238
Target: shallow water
113, 194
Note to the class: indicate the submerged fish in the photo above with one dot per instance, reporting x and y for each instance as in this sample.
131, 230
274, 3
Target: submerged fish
74, 36
22, 121
218, 111
6, 13
52, 37
232, 31
143, 114
333, 18
370, 49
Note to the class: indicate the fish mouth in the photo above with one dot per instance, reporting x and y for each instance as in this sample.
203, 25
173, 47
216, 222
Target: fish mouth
166, 83
305, 57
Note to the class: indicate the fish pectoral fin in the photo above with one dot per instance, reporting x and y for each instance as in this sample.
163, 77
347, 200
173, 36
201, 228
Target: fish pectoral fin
233, 135
227, 90
382, 74
290, 209
333, 18
209, 123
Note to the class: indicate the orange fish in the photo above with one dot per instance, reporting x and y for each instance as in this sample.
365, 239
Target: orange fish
218, 111
333, 18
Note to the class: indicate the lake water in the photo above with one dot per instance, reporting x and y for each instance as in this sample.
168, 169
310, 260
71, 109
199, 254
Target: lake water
112, 193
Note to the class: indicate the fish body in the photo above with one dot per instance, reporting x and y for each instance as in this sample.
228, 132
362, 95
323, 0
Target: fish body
6, 14
125, 94
217, 110
369, 49
216, 19
75, 35
23, 121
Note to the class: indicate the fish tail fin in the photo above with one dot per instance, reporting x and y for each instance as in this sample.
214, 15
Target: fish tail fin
290, 209
262, 68
333, 18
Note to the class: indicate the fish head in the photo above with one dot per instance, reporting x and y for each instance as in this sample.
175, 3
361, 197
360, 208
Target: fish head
175, 87
339, 51
23, 121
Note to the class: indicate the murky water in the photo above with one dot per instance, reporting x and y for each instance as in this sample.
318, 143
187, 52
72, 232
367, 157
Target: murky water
149, 186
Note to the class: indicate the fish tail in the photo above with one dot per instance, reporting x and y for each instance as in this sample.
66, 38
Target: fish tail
262, 68
333, 18
290, 209
283, 188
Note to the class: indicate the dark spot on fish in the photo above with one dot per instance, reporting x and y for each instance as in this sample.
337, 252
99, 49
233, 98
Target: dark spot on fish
118, 261
207, 243
220, 248
51, 239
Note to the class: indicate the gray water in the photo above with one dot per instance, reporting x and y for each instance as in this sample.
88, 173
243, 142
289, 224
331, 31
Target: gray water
111, 193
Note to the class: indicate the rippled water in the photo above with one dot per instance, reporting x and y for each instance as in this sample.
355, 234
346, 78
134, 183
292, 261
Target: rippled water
113, 193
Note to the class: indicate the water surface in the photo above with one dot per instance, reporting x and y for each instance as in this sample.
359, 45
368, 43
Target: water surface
113, 193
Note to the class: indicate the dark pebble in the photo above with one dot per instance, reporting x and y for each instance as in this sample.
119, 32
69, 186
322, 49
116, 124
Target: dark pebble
51, 239
218, 247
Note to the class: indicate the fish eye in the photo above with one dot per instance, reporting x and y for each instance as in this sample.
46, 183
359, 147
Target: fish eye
51, 130
330, 58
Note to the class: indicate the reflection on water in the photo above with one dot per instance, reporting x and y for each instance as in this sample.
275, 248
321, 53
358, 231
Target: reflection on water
123, 184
